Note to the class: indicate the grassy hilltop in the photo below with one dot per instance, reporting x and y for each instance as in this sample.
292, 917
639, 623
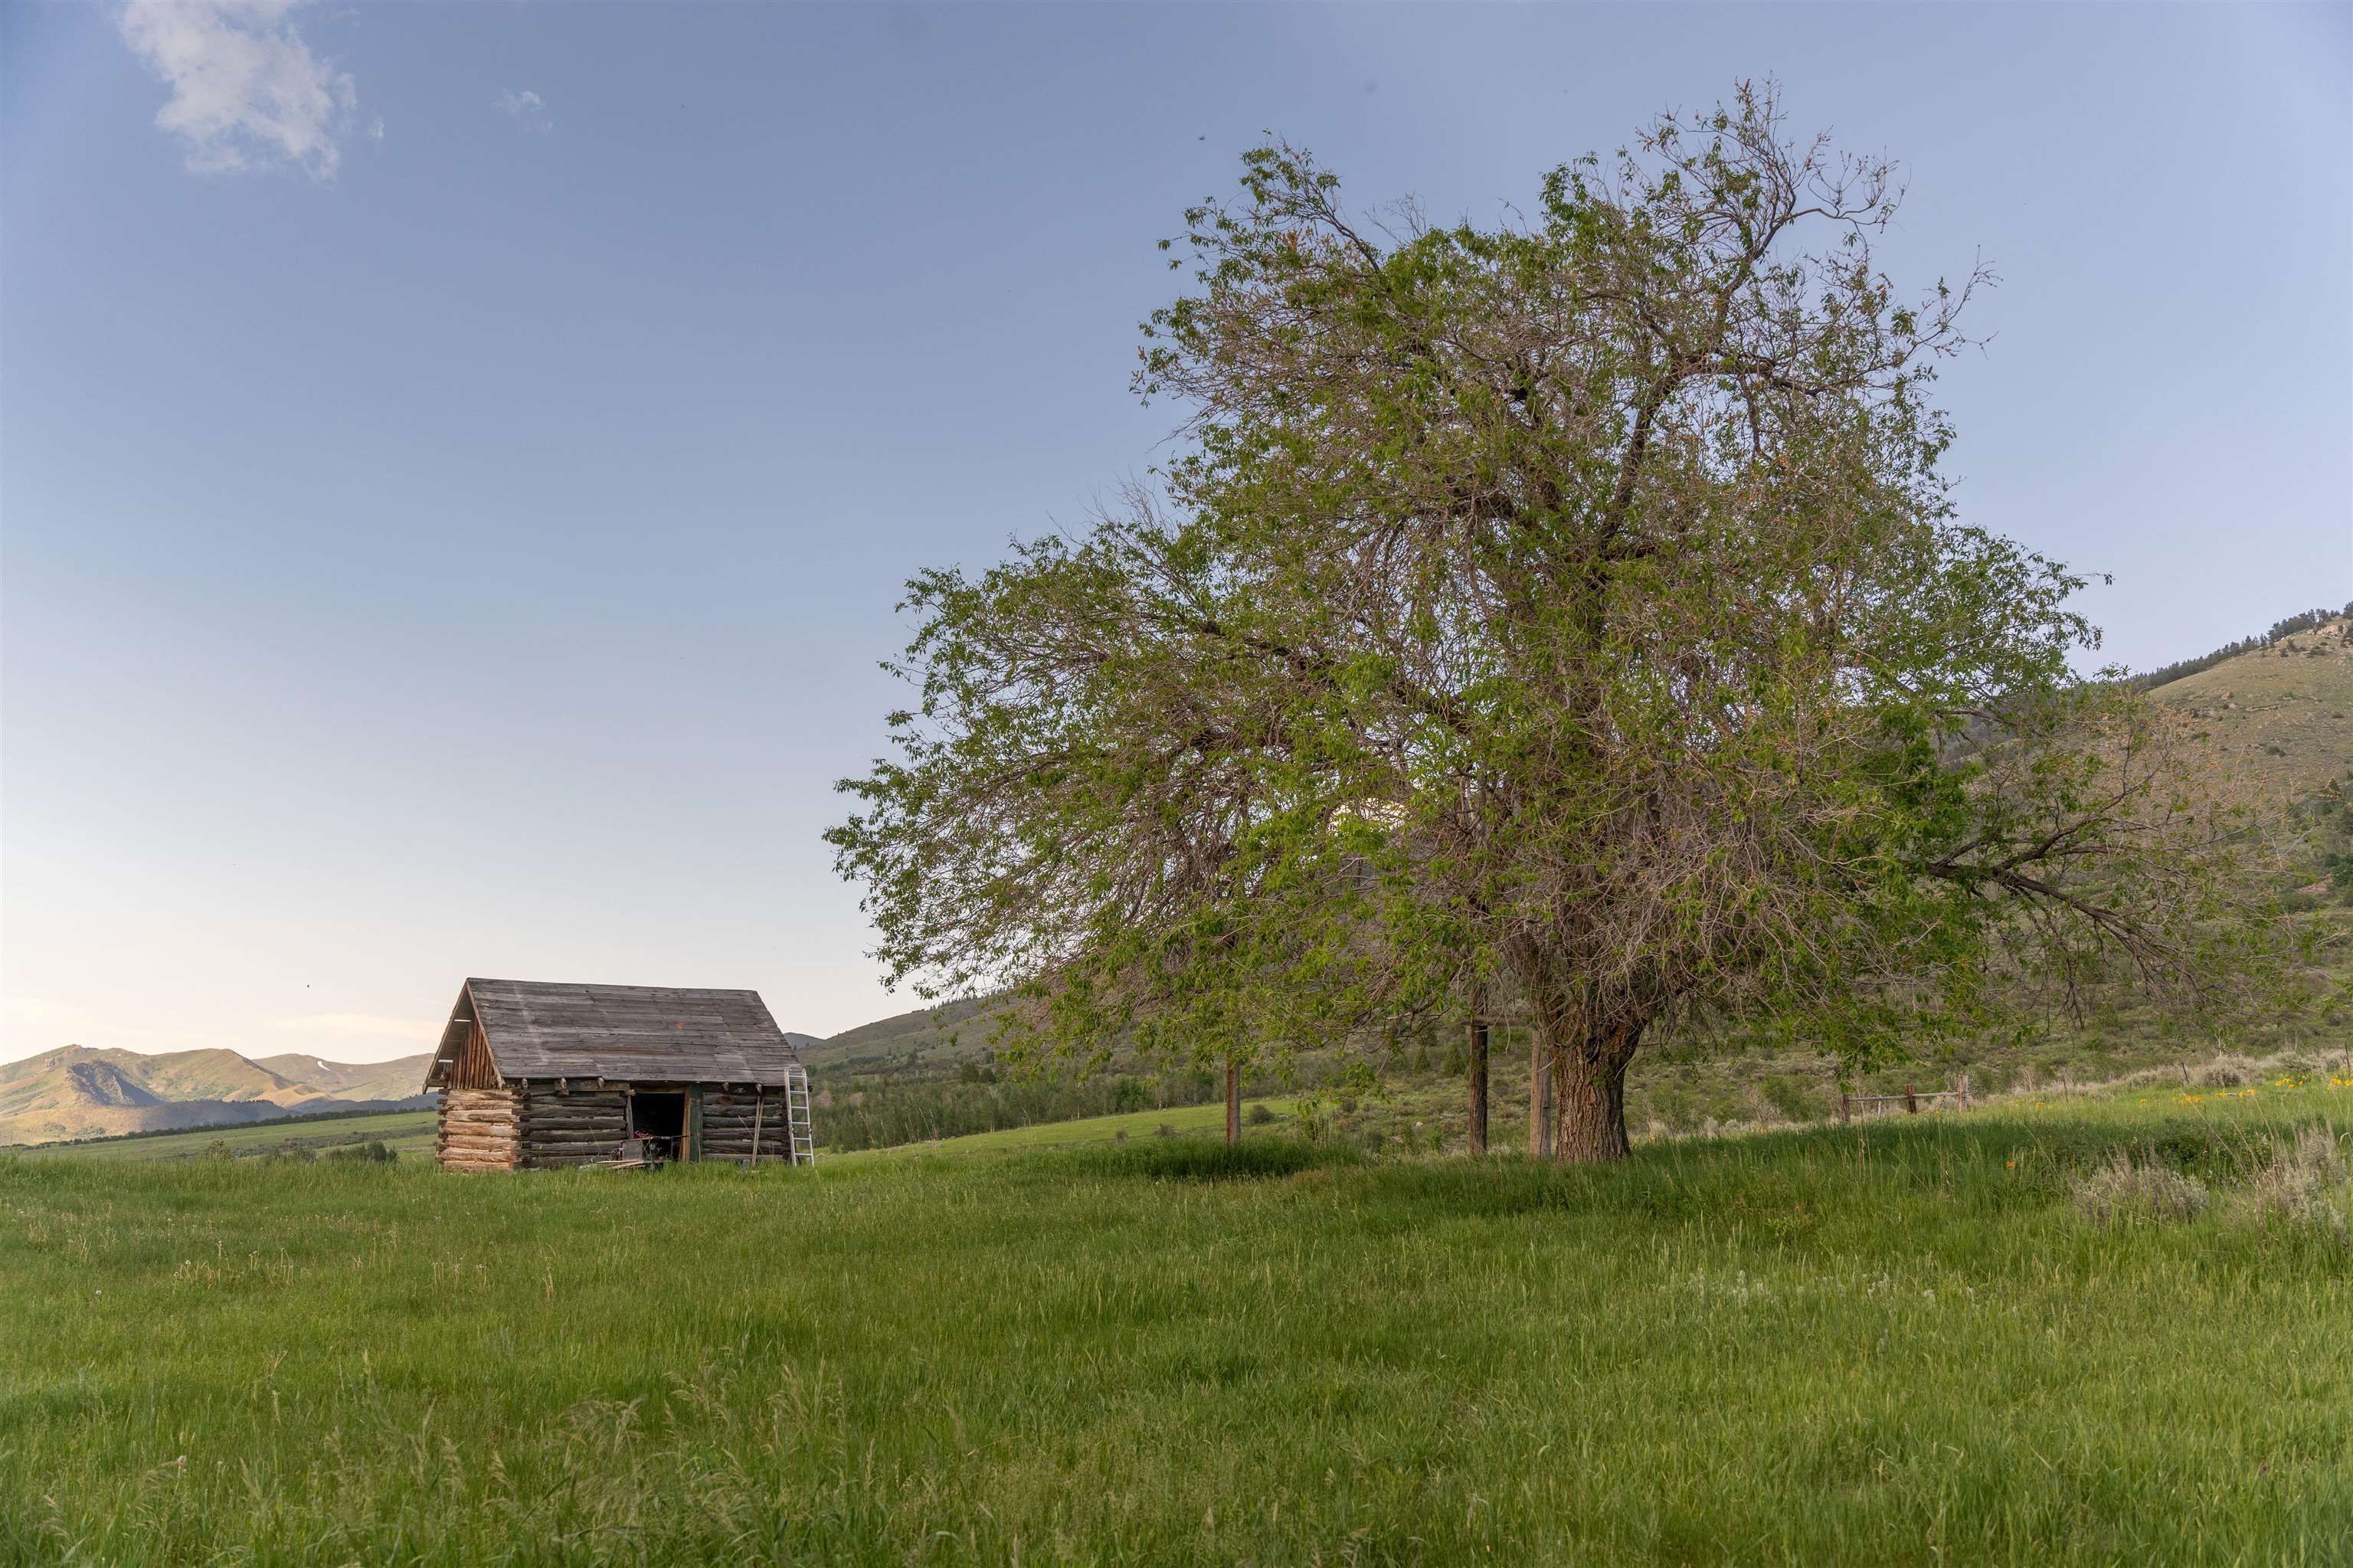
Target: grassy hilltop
2282, 715
1900, 1343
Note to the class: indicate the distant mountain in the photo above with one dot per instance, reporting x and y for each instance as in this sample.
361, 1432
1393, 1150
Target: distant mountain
210, 1075
353, 1080
80, 1092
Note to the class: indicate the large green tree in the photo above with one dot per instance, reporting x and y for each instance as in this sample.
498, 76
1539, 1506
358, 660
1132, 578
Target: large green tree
1573, 608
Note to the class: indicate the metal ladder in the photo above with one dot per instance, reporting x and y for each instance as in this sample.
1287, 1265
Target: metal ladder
796, 1115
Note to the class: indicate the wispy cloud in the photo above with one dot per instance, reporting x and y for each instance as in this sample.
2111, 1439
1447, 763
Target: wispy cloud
247, 91
362, 1026
524, 108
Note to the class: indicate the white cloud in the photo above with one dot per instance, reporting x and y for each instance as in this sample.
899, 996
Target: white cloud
247, 91
524, 108
375, 132
362, 1026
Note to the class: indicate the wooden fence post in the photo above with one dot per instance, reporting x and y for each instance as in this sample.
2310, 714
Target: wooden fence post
1911, 1100
1233, 1102
1846, 1108
1539, 1098
1477, 1136
1965, 1091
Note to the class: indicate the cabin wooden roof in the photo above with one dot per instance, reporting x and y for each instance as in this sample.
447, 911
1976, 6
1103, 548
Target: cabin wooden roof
631, 1033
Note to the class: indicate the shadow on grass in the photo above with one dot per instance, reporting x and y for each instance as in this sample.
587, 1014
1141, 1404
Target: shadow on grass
1198, 1160
1992, 1165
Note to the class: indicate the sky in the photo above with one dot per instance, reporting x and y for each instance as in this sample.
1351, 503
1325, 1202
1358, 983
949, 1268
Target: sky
458, 463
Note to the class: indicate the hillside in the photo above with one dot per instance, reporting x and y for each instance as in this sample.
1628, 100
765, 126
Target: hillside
929, 1042
209, 1074
408, 1133
392, 1080
2282, 715
77, 1091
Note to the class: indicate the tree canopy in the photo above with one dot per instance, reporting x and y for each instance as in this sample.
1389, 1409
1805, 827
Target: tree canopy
1574, 607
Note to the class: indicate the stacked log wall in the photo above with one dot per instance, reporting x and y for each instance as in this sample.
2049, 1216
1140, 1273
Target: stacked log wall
537, 1128
477, 1131
730, 1118
572, 1126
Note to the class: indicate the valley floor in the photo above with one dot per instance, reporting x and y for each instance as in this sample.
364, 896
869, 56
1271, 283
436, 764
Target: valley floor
1896, 1344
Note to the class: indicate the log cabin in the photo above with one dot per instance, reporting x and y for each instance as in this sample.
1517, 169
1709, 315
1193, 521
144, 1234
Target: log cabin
534, 1075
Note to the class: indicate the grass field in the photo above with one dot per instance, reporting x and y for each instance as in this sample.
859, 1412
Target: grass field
1088, 1132
409, 1134
1897, 1344
405, 1133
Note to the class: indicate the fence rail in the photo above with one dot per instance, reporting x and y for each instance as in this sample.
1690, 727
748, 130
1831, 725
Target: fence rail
1911, 1099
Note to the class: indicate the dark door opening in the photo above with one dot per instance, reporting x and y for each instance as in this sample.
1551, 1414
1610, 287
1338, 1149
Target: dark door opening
660, 1119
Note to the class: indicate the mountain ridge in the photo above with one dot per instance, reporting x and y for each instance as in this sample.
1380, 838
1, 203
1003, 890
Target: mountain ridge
83, 1091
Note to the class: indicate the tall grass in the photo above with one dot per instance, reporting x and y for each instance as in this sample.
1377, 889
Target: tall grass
1894, 1343
879, 1114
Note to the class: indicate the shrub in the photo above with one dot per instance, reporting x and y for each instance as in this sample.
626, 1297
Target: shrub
2122, 1192
1260, 1113
1314, 1120
1793, 1097
2301, 1185
372, 1152
2226, 1073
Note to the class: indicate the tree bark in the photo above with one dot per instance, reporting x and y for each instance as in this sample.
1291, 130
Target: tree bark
1478, 1138
1233, 1104
1589, 1093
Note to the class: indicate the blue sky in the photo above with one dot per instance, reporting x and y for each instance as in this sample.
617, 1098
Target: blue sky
457, 463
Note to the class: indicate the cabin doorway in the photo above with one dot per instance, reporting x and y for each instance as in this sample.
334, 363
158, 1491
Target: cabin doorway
660, 1119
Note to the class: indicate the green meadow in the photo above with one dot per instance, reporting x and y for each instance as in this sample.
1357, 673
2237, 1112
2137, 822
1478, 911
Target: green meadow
408, 1134
1900, 1342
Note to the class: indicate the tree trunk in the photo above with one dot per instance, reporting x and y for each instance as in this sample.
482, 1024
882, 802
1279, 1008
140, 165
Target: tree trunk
1233, 1104
1589, 1094
1478, 1085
